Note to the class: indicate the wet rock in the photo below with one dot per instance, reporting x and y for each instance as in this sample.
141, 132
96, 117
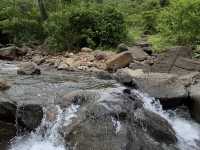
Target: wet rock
168, 88
29, 116
122, 48
119, 61
86, 49
4, 85
8, 112
157, 127
115, 123
28, 68
7, 132
195, 101
79, 97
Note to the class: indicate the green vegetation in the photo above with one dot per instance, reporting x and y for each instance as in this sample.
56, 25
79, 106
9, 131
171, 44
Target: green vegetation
72, 24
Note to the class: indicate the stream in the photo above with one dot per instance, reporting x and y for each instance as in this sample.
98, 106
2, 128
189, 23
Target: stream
48, 90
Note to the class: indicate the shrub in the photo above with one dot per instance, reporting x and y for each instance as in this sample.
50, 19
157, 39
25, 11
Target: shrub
91, 26
21, 21
179, 23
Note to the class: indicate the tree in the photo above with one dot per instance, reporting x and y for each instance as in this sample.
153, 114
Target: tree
43, 11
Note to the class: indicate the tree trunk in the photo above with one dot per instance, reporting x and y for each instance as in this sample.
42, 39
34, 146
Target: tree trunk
43, 11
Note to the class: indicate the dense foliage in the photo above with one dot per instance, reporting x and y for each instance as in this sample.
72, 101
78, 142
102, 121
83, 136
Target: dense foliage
83, 26
72, 24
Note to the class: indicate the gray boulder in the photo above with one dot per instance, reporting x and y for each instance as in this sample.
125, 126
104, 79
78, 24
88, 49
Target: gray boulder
168, 88
118, 122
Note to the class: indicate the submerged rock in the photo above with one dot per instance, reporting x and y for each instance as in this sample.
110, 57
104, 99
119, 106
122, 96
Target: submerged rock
28, 68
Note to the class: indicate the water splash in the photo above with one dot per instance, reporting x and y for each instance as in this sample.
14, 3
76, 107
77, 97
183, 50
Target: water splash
187, 131
47, 136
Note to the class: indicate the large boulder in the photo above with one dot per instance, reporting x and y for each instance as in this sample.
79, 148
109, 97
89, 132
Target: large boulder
118, 121
168, 88
120, 60
28, 68
29, 116
167, 60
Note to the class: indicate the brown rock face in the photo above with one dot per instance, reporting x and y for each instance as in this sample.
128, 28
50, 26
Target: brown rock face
119, 61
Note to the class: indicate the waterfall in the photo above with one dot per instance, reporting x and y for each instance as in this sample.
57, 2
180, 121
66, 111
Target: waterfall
46, 136
187, 131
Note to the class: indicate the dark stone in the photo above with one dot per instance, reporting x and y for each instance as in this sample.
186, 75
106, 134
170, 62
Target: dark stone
7, 132
8, 112
29, 116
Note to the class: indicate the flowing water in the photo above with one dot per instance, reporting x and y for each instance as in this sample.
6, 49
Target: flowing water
187, 131
48, 89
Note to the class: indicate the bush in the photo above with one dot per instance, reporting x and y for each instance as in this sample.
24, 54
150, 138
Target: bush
21, 21
179, 23
90, 26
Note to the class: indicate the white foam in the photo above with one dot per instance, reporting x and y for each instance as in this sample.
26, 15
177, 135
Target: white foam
47, 136
187, 131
